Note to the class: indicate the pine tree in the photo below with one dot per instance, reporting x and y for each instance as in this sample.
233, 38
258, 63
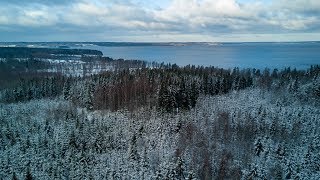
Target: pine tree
133, 152
66, 89
28, 175
193, 95
167, 96
179, 169
14, 176
217, 87
88, 96
293, 87
242, 83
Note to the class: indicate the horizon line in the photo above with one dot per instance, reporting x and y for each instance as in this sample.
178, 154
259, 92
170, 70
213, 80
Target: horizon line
156, 41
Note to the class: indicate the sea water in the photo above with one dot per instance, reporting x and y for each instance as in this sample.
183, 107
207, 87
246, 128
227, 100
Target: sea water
300, 55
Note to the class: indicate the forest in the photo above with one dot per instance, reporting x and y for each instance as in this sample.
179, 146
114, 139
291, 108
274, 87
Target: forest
24, 52
75, 114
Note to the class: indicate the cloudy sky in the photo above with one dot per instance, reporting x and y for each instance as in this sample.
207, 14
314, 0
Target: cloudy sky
159, 20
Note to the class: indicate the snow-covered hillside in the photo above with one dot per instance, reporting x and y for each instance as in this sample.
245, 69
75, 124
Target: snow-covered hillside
73, 114
248, 134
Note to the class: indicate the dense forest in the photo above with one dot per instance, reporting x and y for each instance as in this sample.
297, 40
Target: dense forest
75, 114
24, 52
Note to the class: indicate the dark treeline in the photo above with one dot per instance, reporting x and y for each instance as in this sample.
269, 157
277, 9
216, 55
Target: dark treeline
24, 52
169, 87
16, 62
16, 66
35, 86
12, 68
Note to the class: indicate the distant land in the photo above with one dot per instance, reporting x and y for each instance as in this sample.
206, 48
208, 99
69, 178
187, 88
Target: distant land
300, 55
25, 52
117, 44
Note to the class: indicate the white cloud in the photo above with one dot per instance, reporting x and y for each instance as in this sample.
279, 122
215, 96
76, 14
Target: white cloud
196, 18
4, 20
90, 9
40, 17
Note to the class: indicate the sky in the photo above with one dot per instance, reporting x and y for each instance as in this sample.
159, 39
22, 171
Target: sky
160, 20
